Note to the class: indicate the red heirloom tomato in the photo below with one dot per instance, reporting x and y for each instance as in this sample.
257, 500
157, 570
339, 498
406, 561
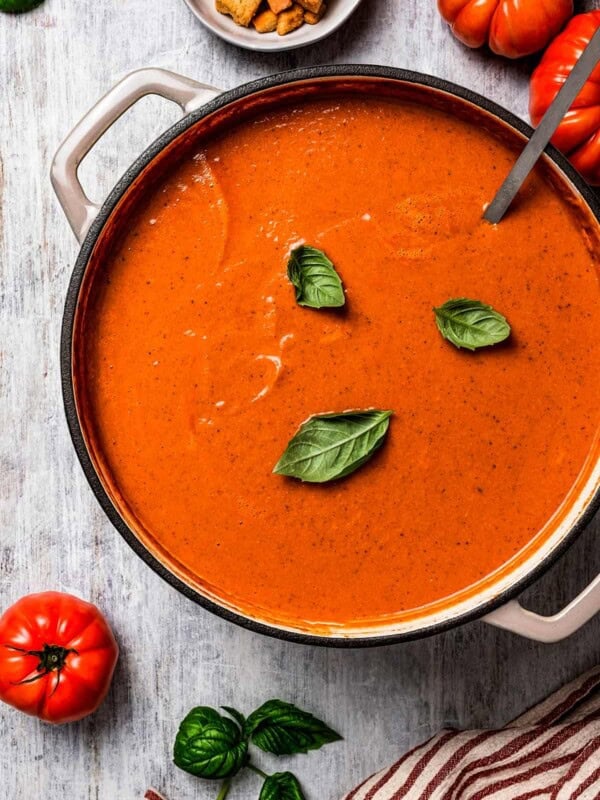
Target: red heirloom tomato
512, 28
57, 657
578, 135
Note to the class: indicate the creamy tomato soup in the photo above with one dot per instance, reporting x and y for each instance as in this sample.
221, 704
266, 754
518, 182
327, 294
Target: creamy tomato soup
199, 366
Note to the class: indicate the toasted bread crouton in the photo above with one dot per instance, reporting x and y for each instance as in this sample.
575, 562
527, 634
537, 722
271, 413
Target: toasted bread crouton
265, 21
312, 18
288, 21
242, 11
277, 6
314, 6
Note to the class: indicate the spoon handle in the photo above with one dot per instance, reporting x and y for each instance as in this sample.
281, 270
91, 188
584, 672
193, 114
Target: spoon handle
545, 130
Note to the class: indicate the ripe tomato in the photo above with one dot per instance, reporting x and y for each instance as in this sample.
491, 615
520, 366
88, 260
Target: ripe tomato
578, 135
512, 28
57, 657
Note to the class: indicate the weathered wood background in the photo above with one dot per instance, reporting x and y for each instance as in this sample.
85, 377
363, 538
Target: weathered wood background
54, 63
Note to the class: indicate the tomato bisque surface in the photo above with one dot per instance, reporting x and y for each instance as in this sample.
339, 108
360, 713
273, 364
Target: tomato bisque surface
198, 364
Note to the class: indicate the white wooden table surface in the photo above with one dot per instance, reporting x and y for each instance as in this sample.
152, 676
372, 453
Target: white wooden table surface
54, 63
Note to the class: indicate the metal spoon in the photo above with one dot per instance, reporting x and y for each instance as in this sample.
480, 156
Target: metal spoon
545, 130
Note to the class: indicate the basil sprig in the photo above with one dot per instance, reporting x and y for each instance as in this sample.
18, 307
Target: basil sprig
215, 747
18, 6
209, 745
471, 324
331, 446
281, 786
239, 718
314, 277
281, 728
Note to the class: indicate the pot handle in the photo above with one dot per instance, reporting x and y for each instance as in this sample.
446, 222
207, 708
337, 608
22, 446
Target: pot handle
513, 617
79, 209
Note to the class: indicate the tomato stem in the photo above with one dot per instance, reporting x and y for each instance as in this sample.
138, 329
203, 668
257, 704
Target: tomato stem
52, 658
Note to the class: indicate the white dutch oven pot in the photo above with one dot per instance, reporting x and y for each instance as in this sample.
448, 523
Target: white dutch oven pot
494, 602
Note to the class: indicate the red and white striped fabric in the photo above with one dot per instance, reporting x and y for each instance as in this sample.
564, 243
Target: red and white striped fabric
552, 752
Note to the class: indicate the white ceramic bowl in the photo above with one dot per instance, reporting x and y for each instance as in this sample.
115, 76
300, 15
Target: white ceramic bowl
337, 13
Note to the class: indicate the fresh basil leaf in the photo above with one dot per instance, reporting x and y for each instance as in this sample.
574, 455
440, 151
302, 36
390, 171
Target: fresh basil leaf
471, 324
18, 6
331, 446
281, 786
314, 277
283, 729
209, 745
239, 718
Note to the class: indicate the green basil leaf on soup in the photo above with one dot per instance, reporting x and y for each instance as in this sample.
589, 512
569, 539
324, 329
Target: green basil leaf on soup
283, 729
332, 446
281, 786
210, 746
314, 277
471, 324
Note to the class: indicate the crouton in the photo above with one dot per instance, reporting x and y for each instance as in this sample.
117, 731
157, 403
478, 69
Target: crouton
265, 21
242, 11
312, 18
314, 6
277, 6
288, 21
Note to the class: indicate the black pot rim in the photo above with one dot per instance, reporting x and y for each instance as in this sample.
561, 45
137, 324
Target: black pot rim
66, 349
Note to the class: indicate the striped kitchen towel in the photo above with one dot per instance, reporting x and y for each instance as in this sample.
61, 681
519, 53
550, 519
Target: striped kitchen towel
552, 752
